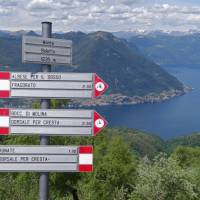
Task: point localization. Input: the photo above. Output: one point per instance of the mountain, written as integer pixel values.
(141, 32)
(126, 69)
(172, 49)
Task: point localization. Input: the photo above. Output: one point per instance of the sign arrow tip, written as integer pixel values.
(99, 123)
(100, 86)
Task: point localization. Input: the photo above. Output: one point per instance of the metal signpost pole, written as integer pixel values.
(45, 121)
(45, 104)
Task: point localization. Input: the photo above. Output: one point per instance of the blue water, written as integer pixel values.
(169, 119)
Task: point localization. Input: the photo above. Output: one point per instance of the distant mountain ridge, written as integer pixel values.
(129, 34)
(125, 69)
(172, 49)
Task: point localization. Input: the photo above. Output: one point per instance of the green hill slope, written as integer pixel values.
(192, 140)
(127, 72)
(142, 144)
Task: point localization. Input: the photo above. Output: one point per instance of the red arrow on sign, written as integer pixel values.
(99, 86)
(99, 123)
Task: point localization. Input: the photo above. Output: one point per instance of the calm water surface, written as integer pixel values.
(178, 116)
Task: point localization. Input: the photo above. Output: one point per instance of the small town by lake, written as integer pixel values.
(169, 119)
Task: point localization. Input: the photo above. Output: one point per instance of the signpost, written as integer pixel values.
(50, 122)
(51, 85)
(46, 158)
(46, 51)
(46, 122)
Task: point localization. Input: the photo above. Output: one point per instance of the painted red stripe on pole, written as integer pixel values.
(5, 75)
(85, 149)
(4, 94)
(4, 112)
(4, 131)
(85, 168)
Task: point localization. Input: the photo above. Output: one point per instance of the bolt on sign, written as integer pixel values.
(51, 85)
(46, 158)
(46, 50)
(50, 122)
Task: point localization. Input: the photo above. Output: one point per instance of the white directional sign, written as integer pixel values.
(50, 85)
(50, 122)
(46, 50)
(46, 158)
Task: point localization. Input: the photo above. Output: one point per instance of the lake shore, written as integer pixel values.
(119, 99)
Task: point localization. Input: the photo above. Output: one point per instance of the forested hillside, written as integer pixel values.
(125, 69)
(128, 165)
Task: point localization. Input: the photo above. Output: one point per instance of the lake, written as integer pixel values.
(169, 119)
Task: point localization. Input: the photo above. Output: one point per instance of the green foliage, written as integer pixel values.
(120, 194)
(114, 167)
(164, 179)
(192, 140)
(118, 173)
(36, 104)
(114, 170)
(142, 144)
(14, 186)
(55, 103)
(187, 156)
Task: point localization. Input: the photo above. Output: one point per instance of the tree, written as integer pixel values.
(163, 179)
(114, 168)
(187, 156)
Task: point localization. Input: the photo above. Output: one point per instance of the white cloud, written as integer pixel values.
(90, 15)
(4, 12)
(39, 5)
(9, 3)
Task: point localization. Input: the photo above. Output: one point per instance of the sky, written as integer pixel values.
(106, 15)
